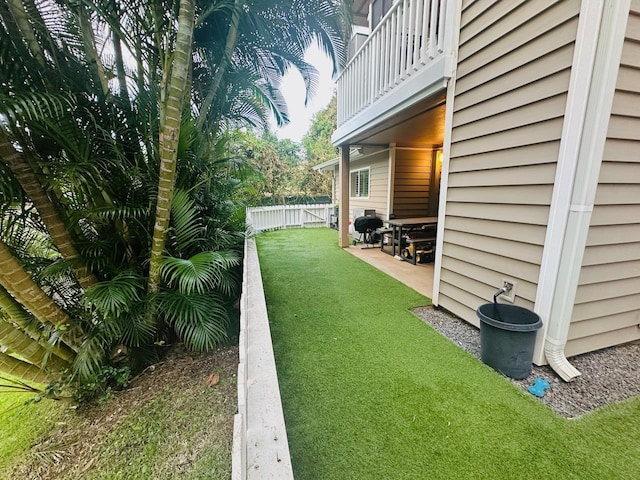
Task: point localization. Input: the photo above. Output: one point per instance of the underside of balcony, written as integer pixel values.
(420, 125)
(394, 87)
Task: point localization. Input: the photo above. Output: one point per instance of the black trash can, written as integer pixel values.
(507, 338)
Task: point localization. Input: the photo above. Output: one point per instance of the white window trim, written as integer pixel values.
(351, 193)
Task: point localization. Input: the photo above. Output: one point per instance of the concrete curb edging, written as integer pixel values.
(260, 445)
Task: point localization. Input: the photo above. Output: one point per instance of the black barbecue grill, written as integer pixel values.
(366, 226)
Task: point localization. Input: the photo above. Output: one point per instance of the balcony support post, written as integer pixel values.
(343, 212)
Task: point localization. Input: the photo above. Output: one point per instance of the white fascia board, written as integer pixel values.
(324, 165)
(353, 155)
(360, 30)
(422, 84)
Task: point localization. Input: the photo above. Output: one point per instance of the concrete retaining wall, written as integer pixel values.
(260, 445)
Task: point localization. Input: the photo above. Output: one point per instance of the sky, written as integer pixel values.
(293, 91)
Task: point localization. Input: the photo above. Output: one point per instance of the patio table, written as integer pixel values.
(402, 226)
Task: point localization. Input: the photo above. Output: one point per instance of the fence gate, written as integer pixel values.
(288, 216)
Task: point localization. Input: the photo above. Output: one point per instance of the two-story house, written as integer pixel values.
(517, 122)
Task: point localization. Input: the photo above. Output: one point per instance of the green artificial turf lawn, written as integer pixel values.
(372, 392)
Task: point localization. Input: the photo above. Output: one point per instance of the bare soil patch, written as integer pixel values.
(75, 447)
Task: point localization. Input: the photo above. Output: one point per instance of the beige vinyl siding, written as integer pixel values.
(378, 164)
(513, 74)
(607, 305)
(412, 183)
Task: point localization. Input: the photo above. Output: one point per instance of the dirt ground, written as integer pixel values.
(70, 449)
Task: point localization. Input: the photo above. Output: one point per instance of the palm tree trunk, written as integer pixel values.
(22, 21)
(93, 58)
(232, 38)
(140, 73)
(117, 49)
(30, 350)
(21, 369)
(21, 286)
(19, 166)
(30, 325)
(169, 136)
(13, 31)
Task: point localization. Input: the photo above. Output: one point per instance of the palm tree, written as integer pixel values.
(21, 168)
(20, 285)
(256, 39)
(171, 113)
(15, 314)
(123, 185)
(21, 369)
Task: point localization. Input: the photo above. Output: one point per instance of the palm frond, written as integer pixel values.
(115, 212)
(35, 106)
(200, 320)
(91, 356)
(186, 228)
(137, 328)
(198, 274)
(116, 296)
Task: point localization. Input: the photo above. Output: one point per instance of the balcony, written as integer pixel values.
(406, 59)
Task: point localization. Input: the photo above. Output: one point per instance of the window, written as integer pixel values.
(379, 9)
(360, 183)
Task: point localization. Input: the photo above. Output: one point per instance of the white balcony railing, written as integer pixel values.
(410, 36)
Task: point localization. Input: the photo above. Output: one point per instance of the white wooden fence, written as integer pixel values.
(288, 216)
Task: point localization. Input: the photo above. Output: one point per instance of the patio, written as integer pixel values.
(418, 277)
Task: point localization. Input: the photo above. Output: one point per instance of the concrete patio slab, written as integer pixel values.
(419, 277)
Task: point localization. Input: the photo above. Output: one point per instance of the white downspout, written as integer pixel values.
(581, 152)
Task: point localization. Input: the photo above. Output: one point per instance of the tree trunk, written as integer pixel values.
(22, 21)
(140, 73)
(93, 58)
(21, 286)
(169, 136)
(22, 370)
(13, 31)
(117, 50)
(22, 344)
(19, 166)
(232, 38)
(31, 327)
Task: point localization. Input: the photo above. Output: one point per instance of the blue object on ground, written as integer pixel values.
(538, 387)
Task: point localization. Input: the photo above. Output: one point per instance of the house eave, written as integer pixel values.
(421, 85)
(327, 164)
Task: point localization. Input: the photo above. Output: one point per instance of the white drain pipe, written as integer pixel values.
(598, 50)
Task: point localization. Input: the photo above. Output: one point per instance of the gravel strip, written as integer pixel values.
(609, 375)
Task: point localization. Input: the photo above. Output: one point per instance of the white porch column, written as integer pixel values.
(392, 178)
(343, 213)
